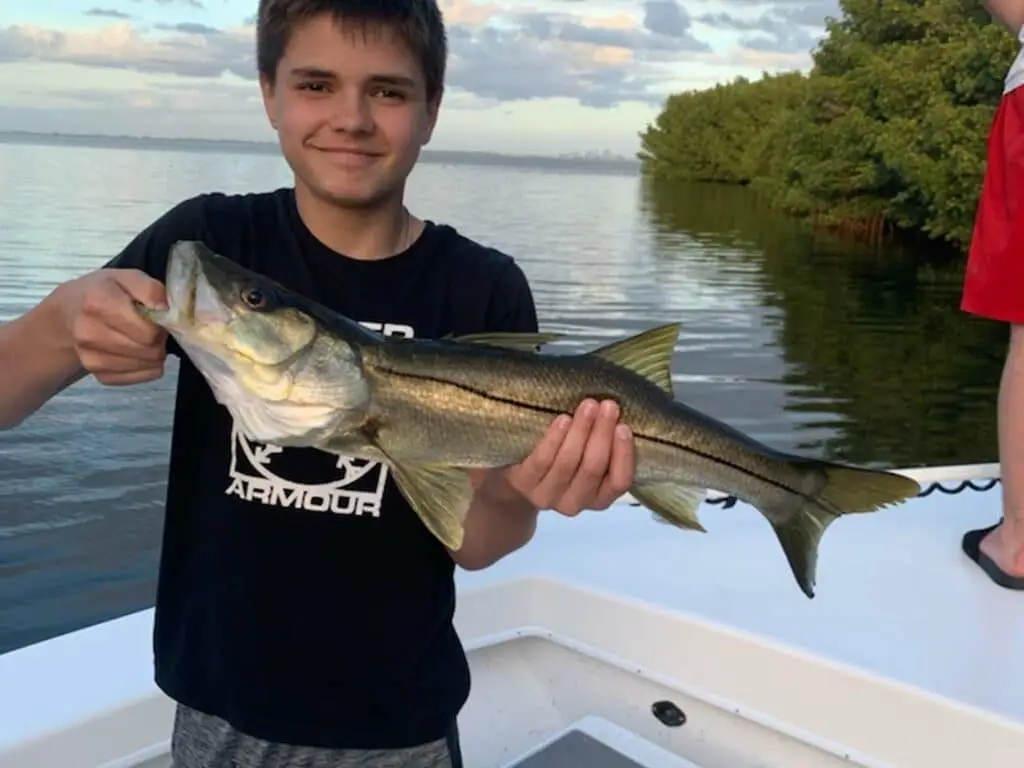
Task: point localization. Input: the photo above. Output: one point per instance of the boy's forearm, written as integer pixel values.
(499, 522)
(37, 359)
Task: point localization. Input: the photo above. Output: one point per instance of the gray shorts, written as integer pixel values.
(204, 741)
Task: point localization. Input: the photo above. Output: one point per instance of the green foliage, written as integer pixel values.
(888, 130)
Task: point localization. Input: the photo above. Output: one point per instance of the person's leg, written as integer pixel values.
(999, 549)
(204, 741)
(994, 288)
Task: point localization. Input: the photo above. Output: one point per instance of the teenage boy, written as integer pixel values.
(304, 614)
(994, 288)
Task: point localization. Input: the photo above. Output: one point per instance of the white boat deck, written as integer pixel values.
(908, 656)
(895, 596)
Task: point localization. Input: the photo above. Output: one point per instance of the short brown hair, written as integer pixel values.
(418, 23)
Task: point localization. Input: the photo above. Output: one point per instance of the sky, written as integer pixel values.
(524, 77)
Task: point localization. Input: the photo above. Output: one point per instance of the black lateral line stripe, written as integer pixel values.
(556, 412)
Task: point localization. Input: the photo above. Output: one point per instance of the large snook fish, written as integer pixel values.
(293, 373)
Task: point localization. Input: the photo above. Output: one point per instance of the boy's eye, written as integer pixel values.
(387, 93)
(384, 92)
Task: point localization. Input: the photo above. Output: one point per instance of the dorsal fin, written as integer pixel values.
(648, 354)
(529, 342)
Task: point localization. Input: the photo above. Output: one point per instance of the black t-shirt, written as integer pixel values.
(300, 598)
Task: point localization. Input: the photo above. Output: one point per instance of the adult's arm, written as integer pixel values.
(1009, 12)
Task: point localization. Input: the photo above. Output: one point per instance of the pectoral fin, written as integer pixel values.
(528, 342)
(673, 504)
(440, 495)
(354, 445)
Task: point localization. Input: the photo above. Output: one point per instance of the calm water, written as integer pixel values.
(826, 348)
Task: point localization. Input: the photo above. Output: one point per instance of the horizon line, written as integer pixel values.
(586, 158)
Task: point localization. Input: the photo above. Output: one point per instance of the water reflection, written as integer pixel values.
(880, 366)
(804, 342)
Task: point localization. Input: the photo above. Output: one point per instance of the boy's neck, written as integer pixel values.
(367, 234)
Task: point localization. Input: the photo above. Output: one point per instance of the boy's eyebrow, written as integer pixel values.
(323, 74)
(401, 80)
(326, 74)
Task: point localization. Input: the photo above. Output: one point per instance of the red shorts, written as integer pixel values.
(994, 282)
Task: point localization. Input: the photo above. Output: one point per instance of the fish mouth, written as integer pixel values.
(182, 277)
(190, 294)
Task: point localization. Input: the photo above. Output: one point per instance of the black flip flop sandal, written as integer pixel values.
(971, 545)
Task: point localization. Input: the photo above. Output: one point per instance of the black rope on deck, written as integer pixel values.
(726, 502)
(729, 501)
(963, 486)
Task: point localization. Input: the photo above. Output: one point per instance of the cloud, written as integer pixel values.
(186, 49)
(469, 13)
(530, 55)
(614, 32)
(107, 13)
(521, 52)
(214, 98)
(792, 26)
(599, 61)
(188, 28)
(665, 17)
(184, 3)
(596, 54)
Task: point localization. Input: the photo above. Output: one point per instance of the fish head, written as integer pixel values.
(219, 309)
(263, 350)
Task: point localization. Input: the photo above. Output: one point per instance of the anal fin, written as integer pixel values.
(440, 495)
(672, 503)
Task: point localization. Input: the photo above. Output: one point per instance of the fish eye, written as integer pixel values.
(254, 298)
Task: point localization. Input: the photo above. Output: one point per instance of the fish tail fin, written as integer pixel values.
(672, 503)
(845, 491)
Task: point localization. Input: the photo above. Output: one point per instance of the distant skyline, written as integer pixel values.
(547, 77)
(604, 162)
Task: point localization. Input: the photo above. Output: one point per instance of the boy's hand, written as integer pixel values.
(583, 462)
(114, 342)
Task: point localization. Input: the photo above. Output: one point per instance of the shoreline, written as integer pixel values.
(583, 163)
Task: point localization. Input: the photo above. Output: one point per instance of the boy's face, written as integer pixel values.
(350, 110)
